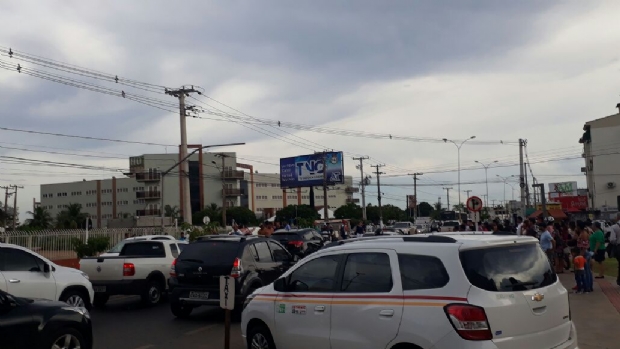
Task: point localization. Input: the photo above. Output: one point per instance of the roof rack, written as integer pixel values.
(406, 238)
(226, 236)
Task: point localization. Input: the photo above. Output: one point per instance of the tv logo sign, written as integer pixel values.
(309, 170)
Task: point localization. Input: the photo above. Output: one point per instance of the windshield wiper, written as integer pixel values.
(519, 284)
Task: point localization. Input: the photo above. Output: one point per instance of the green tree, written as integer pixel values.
(212, 211)
(390, 212)
(171, 211)
(71, 218)
(241, 215)
(348, 211)
(425, 209)
(459, 208)
(41, 219)
(290, 212)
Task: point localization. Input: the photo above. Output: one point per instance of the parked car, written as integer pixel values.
(141, 268)
(24, 273)
(406, 227)
(252, 261)
(299, 242)
(426, 291)
(114, 251)
(42, 324)
(449, 226)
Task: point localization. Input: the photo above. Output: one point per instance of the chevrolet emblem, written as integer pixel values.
(538, 297)
(200, 269)
(99, 269)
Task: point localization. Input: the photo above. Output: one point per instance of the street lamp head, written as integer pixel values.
(445, 140)
(495, 161)
(472, 137)
(477, 161)
(213, 162)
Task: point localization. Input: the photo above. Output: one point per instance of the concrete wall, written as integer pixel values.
(603, 159)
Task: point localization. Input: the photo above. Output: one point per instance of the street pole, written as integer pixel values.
(448, 198)
(522, 175)
(186, 204)
(15, 187)
(378, 173)
(223, 191)
(6, 205)
(543, 199)
(458, 147)
(486, 175)
(416, 210)
(363, 181)
(164, 173)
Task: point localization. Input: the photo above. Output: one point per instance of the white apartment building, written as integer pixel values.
(266, 197)
(601, 143)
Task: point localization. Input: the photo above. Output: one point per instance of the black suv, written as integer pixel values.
(299, 242)
(195, 275)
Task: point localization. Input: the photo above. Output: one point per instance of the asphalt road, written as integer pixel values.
(126, 324)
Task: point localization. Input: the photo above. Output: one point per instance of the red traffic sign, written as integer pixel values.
(474, 204)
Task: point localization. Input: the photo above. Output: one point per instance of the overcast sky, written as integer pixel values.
(434, 69)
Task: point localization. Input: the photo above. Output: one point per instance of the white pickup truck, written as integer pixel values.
(141, 268)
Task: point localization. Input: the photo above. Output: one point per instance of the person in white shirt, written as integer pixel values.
(519, 226)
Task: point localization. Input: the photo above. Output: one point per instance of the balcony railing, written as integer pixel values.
(148, 176)
(353, 201)
(232, 192)
(154, 212)
(350, 190)
(148, 195)
(232, 174)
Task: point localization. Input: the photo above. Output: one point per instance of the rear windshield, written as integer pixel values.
(401, 225)
(509, 268)
(146, 248)
(210, 252)
(118, 247)
(287, 236)
(450, 224)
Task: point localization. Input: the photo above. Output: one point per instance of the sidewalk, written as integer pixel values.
(596, 315)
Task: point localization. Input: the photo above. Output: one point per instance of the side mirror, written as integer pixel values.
(47, 268)
(280, 285)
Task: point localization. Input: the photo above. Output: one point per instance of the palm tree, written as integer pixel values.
(41, 218)
(171, 211)
(71, 217)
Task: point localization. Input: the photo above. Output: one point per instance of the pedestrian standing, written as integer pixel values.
(580, 264)
(359, 230)
(547, 243)
(597, 245)
(614, 240)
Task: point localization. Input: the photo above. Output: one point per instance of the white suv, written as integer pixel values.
(26, 274)
(415, 292)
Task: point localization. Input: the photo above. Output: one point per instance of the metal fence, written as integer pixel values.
(57, 244)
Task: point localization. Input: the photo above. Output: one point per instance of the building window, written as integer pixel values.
(259, 210)
(122, 190)
(61, 194)
(276, 197)
(261, 185)
(332, 196)
(261, 197)
(275, 185)
(292, 197)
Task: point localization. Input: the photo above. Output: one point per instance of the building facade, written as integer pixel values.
(601, 144)
(214, 178)
(265, 196)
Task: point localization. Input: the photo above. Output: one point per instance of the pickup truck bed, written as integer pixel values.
(142, 268)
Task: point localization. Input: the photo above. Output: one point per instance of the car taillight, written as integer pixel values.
(236, 269)
(469, 321)
(297, 244)
(173, 269)
(129, 269)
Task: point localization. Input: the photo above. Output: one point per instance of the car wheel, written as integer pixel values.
(100, 300)
(75, 299)
(68, 338)
(180, 311)
(259, 337)
(152, 293)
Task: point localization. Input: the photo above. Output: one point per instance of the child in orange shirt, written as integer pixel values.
(580, 274)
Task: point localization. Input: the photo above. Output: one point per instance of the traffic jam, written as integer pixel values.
(429, 290)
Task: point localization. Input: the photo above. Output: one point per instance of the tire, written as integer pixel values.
(58, 339)
(75, 298)
(180, 311)
(100, 300)
(260, 337)
(153, 293)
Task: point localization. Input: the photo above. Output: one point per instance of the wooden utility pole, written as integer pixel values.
(186, 205)
(416, 210)
(15, 187)
(6, 206)
(363, 182)
(378, 174)
(448, 197)
(325, 208)
(223, 156)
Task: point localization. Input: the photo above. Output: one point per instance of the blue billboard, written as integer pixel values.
(307, 170)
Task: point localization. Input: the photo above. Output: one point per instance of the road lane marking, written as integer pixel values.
(145, 346)
(198, 330)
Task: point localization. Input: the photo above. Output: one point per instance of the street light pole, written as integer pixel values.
(164, 173)
(486, 175)
(458, 147)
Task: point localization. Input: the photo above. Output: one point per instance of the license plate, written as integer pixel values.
(198, 295)
(99, 289)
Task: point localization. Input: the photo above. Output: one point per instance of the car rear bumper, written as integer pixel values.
(181, 295)
(453, 340)
(120, 287)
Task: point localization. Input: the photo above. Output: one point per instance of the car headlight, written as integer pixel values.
(85, 275)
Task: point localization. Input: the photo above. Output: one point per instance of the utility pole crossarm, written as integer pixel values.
(363, 184)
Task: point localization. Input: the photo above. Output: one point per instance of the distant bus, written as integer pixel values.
(453, 216)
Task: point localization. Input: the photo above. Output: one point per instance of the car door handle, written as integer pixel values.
(387, 313)
(319, 308)
(14, 281)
